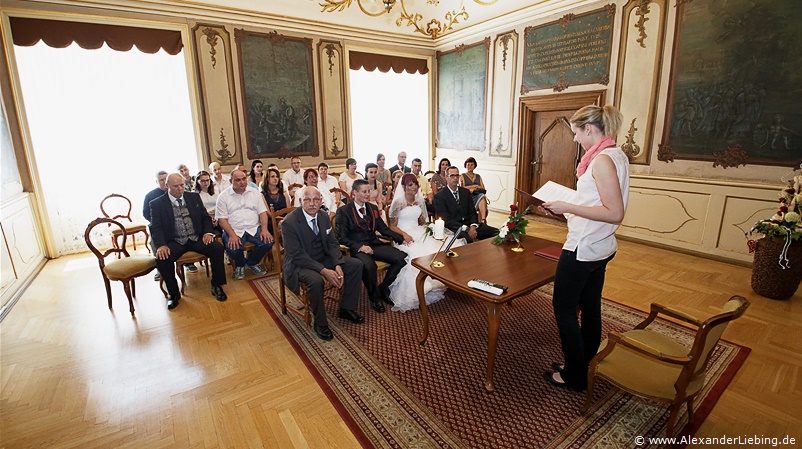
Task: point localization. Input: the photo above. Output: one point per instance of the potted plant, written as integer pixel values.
(777, 267)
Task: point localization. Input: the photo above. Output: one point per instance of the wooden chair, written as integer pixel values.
(428, 174)
(130, 227)
(344, 196)
(653, 365)
(124, 269)
(291, 190)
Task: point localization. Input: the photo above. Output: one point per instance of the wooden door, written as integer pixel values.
(546, 148)
(555, 154)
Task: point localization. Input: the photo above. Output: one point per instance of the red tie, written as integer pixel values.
(362, 211)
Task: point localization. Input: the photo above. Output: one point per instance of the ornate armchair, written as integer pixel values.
(653, 365)
(123, 210)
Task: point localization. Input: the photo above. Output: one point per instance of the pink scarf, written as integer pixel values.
(603, 144)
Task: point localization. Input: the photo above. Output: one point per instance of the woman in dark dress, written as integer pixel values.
(275, 195)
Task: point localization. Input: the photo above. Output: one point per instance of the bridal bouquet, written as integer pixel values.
(513, 227)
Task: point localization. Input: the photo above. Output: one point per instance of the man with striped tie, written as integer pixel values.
(454, 205)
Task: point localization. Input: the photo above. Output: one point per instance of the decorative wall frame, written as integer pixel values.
(215, 68)
(505, 63)
(570, 51)
(733, 93)
(461, 96)
(640, 52)
(332, 98)
(278, 94)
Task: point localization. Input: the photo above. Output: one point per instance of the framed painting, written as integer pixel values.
(734, 91)
(461, 96)
(571, 51)
(218, 98)
(278, 94)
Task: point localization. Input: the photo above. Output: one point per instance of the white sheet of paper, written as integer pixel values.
(551, 191)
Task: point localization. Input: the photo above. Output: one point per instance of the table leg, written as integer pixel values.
(493, 325)
(419, 283)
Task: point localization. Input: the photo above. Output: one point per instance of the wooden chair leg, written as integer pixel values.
(108, 289)
(161, 287)
(133, 239)
(589, 396)
(283, 295)
(689, 402)
(133, 287)
(147, 238)
(127, 287)
(179, 270)
(672, 417)
(206, 264)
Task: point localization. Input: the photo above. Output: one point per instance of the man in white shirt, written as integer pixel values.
(242, 213)
(328, 204)
(220, 182)
(294, 175)
(327, 182)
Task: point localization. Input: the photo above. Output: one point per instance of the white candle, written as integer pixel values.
(439, 228)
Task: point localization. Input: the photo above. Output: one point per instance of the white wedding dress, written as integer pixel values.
(403, 291)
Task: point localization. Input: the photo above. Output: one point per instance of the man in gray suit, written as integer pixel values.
(312, 253)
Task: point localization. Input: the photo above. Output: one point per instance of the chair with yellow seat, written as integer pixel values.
(276, 217)
(124, 269)
(656, 366)
(122, 209)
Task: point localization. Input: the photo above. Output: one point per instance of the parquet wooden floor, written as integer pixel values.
(209, 374)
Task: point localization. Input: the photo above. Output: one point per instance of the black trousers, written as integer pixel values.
(352, 270)
(385, 253)
(578, 284)
(214, 251)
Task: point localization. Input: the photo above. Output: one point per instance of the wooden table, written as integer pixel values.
(521, 272)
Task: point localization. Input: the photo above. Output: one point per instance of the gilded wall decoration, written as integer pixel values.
(640, 61)
(461, 96)
(734, 89)
(571, 51)
(505, 55)
(278, 94)
(215, 68)
(332, 92)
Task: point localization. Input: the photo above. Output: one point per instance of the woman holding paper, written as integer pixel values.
(594, 215)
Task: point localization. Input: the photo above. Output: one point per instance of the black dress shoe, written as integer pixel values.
(351, 316)
(376, 305)
(217, 291)
(386, 298)
(172, 301)
(549, 376)
(557, 367)
(323, 332)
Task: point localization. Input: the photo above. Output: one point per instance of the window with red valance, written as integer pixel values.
(372, 61)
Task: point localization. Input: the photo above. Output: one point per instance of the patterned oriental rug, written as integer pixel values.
(394, 393)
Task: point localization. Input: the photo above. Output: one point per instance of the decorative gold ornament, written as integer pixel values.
(641, 10)
(331, 53)
(504, 41)
(433, 29)
(223, 154)
(630, 147)
(211, 39)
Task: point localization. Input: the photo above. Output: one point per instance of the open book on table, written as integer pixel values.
(550, 191)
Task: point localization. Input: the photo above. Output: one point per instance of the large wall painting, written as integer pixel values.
(218, 99)
(735, 84)
(278, 94)
(570, 51)
(461, 94)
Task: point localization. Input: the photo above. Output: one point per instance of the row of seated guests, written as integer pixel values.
(180, 223)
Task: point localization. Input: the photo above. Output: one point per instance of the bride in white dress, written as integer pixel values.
(408, 217)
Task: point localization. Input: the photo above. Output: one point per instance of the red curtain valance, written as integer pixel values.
(373, 61)
(59, 34)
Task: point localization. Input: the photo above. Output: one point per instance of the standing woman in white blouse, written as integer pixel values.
(602, 191)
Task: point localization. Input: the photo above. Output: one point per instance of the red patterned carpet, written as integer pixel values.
(395, 393)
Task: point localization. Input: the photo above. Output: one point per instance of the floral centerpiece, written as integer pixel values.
(513, 227)
(777, 267)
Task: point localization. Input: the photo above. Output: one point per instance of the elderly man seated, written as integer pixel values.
(242, 214)
(311, 253)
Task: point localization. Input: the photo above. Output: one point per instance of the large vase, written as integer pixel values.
(769, 279)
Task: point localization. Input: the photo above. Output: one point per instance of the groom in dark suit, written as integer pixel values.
(311, 253)
(357, 224)
(455, 205)
(179, 223)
